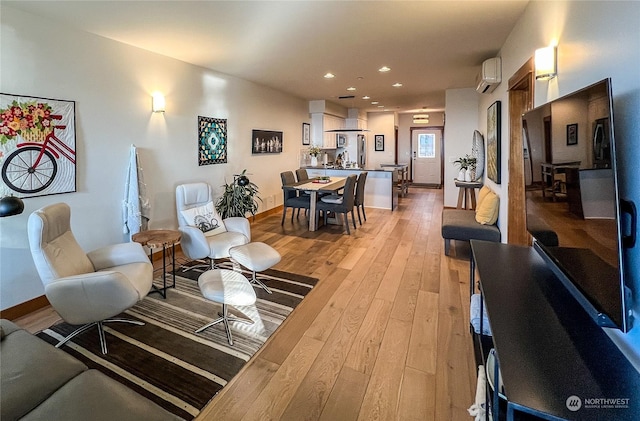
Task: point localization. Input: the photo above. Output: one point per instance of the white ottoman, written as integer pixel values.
(256, 257)
(227, 288)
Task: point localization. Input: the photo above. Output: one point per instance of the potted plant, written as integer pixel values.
(314, 151)
(467, 166)
(238, 198)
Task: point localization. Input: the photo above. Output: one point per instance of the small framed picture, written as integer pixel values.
(379, 142)
(572, 134)
(266, 142)
(306, 134)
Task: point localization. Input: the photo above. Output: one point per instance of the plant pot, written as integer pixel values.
(467, 175)
(461, 175)
(314, 161)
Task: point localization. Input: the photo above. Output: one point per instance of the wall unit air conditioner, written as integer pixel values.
(490, 75)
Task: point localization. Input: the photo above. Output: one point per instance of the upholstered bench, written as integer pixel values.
(465, 225)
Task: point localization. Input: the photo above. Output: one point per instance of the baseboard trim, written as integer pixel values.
(267, 213)
(25, 308)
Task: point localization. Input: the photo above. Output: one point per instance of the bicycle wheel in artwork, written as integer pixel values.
(37, 146)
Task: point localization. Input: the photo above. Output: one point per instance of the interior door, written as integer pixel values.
(427, 162)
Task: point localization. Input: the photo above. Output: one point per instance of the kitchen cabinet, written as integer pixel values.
(320, 123)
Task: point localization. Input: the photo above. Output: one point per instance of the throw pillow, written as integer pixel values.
(206, 218)
(482, 194)
(487, 210)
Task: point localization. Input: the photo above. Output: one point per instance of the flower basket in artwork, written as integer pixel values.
(31, 120)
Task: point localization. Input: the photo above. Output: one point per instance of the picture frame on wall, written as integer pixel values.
(266, 142)
(379, 142)
(306, 134)
(572, 134)
(212, 140)
(493, 142)
(37, 146)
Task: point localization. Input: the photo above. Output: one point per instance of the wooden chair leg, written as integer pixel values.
(284, 214)
(364, 214)
(359, 218)
(447, 246)
(346, 223)
(353, 218)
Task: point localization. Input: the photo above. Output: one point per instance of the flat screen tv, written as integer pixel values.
(574, 212)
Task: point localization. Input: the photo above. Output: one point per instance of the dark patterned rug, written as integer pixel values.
(165, 360)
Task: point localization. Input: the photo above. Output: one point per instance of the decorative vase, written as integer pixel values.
(314, 161)
(467, 175)
(462, 175)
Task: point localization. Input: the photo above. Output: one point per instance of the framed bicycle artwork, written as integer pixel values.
(37, 146)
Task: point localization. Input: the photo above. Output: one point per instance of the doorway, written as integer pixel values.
(426, 147)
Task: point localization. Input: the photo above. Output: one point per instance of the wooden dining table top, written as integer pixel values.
(314, 184)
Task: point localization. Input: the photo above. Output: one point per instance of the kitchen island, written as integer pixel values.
(379, 191)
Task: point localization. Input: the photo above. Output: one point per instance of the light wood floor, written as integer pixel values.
(383, 336)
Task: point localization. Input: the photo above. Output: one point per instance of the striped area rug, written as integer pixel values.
(165, 360)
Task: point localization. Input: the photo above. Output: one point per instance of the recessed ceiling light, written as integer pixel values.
(351, 88)
(397, 85)
(384, 69)
(380, 106)
(366, 97)
(374, 102)
(329, 76)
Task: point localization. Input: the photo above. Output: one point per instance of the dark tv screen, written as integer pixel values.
(573, 210)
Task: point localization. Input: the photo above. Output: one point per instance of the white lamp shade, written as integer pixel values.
(545, 61)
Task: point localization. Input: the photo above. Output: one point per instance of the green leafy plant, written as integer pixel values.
(465, 162)
(239, 197)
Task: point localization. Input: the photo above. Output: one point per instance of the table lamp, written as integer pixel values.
(11, 205)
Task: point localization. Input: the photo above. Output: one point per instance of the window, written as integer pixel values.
(426, 145)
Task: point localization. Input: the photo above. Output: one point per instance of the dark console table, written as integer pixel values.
(556, 363)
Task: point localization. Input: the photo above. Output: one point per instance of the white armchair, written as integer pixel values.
(204, 234)
(86, 289)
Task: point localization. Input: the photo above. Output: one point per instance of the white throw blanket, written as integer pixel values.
(478, 409)
(135, 205)
(474, 315)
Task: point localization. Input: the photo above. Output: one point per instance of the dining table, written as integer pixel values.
(314, 186)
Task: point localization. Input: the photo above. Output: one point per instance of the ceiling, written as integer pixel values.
(430, 46)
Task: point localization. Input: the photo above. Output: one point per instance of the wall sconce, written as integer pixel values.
(157, 102)
(545, 62)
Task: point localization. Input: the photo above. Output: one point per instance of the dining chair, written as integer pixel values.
(291, 197)
(359, 198)
(302, 174)
(341, 204)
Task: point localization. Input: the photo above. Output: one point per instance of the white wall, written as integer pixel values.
(384, 124)
(111, 84)
(596, 39)
(461, 112)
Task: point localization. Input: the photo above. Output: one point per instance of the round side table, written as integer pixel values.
(467, 193)
(161, 239)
